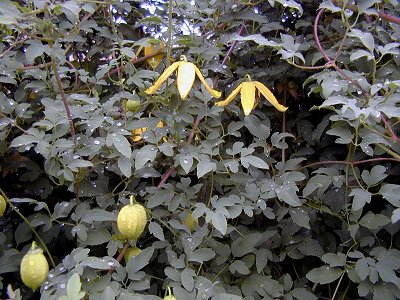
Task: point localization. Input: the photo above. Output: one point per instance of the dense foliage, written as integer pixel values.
(302, 204)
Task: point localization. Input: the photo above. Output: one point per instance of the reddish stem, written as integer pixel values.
(332, 63)
(119, 257)
(345, 162)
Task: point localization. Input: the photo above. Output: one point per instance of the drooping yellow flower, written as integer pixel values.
(137, 133)
(186, 74)
(247, 91)
(153, 48)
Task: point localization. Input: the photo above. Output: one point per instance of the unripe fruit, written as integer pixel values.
(3, 205)
(132, 105)
(132, 220)
(189, 221)
(131, 252)
(169, 296)
(34, 267)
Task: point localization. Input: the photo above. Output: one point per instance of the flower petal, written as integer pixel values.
(230, 97)
(137, 134)
(167, 72)
(269, 96)
(214, 93)
(185, 78)
(248, 96)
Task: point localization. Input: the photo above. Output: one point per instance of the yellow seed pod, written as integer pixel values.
(131, 105)
(34, 267)
(169, 296)
(136, 134)
(132, 220)
(189, 221)
(131, 252)
(154, 61)
(3, 205)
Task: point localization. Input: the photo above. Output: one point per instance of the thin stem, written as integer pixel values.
(345, 162)
(169, 42)
(284, 123)
(119, 257)
(42, 243)
(337, 286)
(228, 54)
(64, 99)
(166, 176)
(329, 60)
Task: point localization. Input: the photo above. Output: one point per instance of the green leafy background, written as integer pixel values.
(302, 205)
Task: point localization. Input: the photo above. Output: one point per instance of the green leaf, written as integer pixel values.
(324, 274)
(186, 162)
(240, 267)
(97, 263)
(201, 255)
(334, 259)
(374, 221)
(376, 175)
(125, 165)
(128, 52)
(120, 142)
(204, 166)
(361, 53)
(146, 154)
(98, 215)
(395, 215)
(219, 222)
(361, 197)
(300, 217)
(136, 263)
(288, 193)
(391, 192)
(254, 161)
(257, 38)
(97, 237)
(257, 128)
(36, 49)
(278, 139)
(156, 230)
(10, 261)
(366, 38)
(187, 280)
(302, 294)
(74, 288)
(362, 267)
(387, 274)
(160, 197)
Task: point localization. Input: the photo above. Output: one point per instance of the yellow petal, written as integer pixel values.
(136, 136)
(248, 96)
(214, 93)
(185, 78)
(269, 96)
(230, 97)
(168, 71)
(156, 60)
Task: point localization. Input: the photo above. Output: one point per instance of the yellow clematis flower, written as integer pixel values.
(137, 133)
(185, 78)
(156, 60)
(247, 91)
